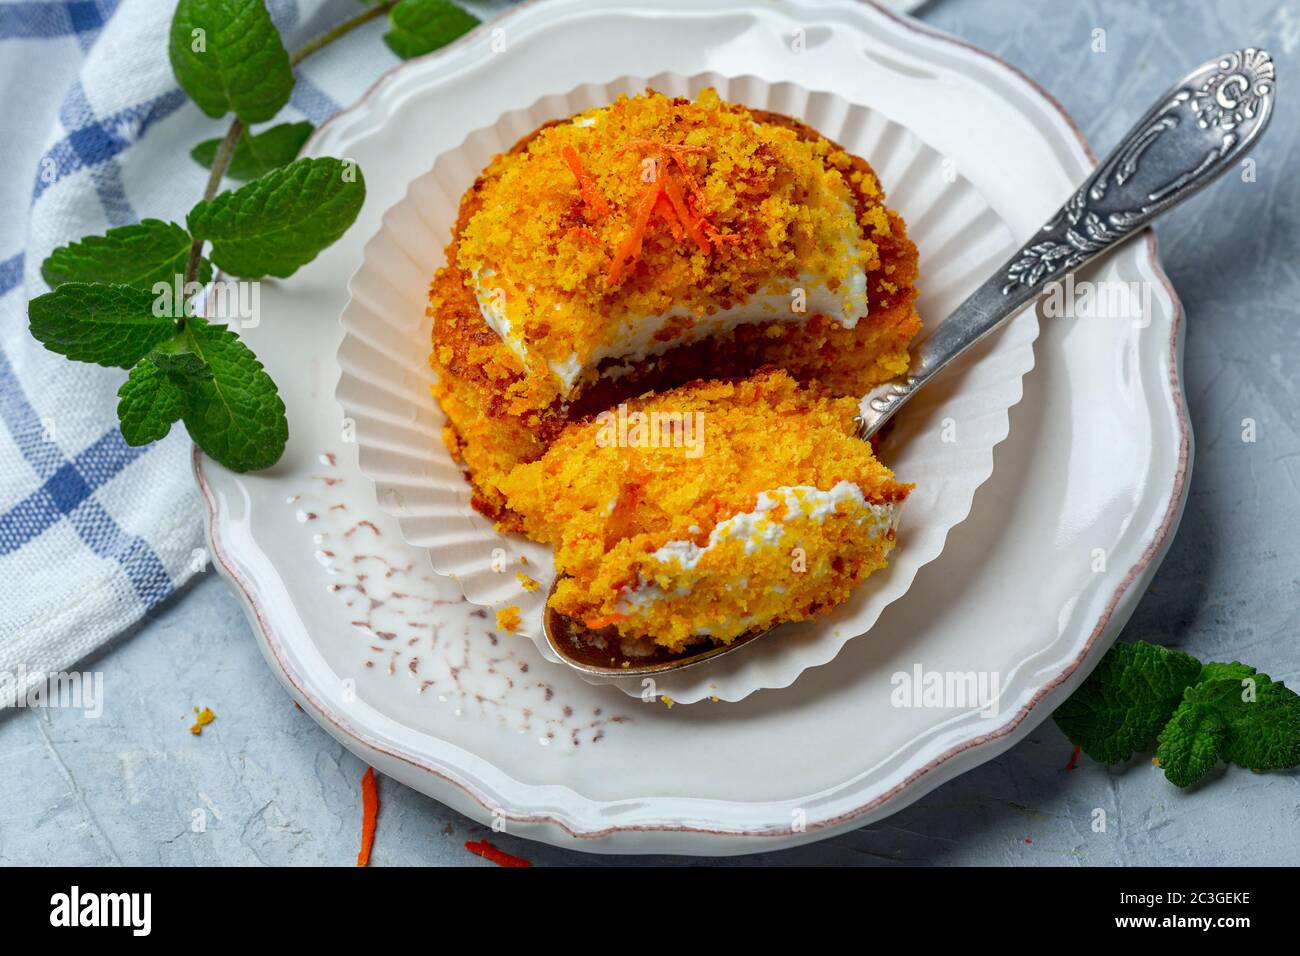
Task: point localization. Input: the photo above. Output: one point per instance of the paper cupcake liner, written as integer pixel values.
(943, 441)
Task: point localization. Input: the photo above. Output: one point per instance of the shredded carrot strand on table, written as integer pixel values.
(585, 184)
(500, 857)
(369, 814)
(1074, 760)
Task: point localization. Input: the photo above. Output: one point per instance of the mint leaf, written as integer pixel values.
(421, 26)
(257, 154)
(280, 222)
(228, 56)
(94, 322)
(180, 364)
(235, 415)
(1125, 702)
(147, 404)
(1265, 734)
(137, 255)
(1209, 712)
(1262, 717)
(1215, 671)
(1191, 743)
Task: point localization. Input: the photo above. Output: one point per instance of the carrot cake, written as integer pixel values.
(649, 243)
(710, 510)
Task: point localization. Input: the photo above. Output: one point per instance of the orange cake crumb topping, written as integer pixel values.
(656, 205)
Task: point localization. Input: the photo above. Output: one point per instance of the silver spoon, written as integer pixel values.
(1195, 133)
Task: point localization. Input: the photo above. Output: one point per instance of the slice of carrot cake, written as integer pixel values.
(710, 510)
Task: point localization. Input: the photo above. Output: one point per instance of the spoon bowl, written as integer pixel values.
(604, 652)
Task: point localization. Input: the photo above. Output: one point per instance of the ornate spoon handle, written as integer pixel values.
(1195, 133)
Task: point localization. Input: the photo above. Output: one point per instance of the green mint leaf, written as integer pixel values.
(1125, 702)
(94, 322)
(1265, 734)
(138, 255)
(1191, 743)
(422, 26)
(257, 154)
(228, 56)
(1216, 671)
(1262, 716)
(180, 364)
(280, 222)
(147, 404)
(235, 415)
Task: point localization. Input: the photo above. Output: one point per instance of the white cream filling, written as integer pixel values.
(634, 340)
(762, 528)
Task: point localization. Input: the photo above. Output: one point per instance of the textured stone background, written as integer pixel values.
(280, 791)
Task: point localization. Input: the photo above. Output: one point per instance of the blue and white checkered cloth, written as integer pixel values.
(95, 133)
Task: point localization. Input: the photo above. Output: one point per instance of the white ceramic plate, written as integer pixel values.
(389, 659)
(944, 442)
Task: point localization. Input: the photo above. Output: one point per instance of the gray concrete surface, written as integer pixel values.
(275, 789)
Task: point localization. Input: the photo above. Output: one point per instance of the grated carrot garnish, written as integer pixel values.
(664, 207)
(696, 192)
(630, 248)
(684, 216)
(500, 857)
(714, 236)
(584, 233)
(369, 814)
(588, 188)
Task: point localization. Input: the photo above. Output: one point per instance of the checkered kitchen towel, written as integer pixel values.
(95, 133)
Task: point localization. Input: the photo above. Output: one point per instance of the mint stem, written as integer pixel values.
(347, 26)
(219, 163)
(226, 150)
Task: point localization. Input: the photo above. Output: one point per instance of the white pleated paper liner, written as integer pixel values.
(385, 376)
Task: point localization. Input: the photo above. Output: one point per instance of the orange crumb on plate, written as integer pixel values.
(508, 618)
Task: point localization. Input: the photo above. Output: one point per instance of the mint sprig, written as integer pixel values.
(1143, 696)
(126, 298)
